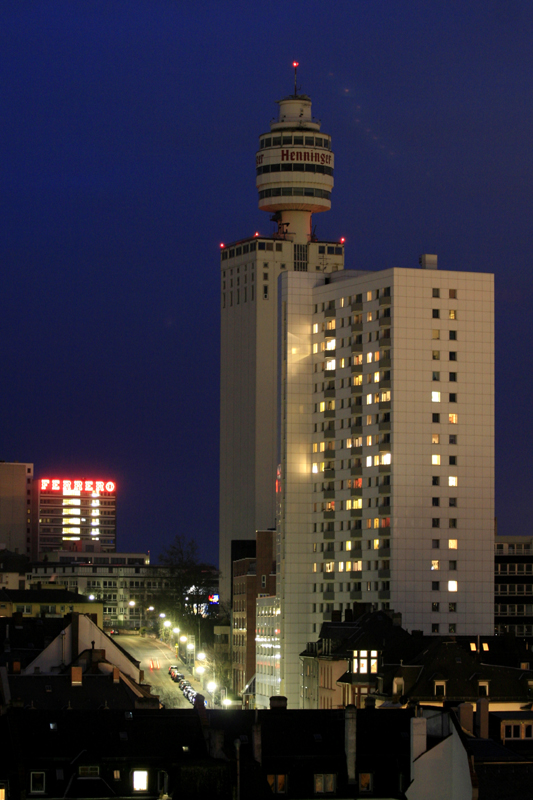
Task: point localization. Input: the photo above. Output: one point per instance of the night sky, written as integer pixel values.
(128, 136)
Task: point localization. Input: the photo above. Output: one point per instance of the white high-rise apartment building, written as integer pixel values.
(382, 421)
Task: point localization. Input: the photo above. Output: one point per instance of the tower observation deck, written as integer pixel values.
(294, 166)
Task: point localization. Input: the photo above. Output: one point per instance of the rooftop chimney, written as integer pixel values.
(278, 703)
(427, 261)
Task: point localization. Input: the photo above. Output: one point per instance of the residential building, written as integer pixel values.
(252, 578)
(379, 412)
(76, 514)
(16, 507)
(513, 598)
(126, 584)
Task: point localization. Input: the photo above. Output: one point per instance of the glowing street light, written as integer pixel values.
(201, 656)
(183, 639)
(162, 616)
(91, 597)
(131, 603)
(226, 702)
(211, 686)
(175, 630)
(167, 623)
(200, 670)
(150, 608)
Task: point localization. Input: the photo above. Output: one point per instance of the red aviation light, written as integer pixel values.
(222, 244)
(295, 64)
(342, 239)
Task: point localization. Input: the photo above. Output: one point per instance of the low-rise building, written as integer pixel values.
(38, 602)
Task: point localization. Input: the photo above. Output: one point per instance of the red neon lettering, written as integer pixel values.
(293, 155)
(306, 156)
(99, 486)
(299, 156)
(284, 155)
(78, 486)
(110, 486)
(55, 485)
(45, 482)
(67, 486)
(89, 486)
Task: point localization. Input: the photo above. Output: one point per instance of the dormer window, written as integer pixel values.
(398, 686)
(365, 661)
(440, 688)
(483, 688)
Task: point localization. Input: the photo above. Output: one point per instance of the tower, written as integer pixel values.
(294, 178)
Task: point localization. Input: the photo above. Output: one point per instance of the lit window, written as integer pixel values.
(435, 438)
(376, 377)
(348, 545)
(366, 783)
(435, 397)
(452, 544)
(369, 296)
(277, 783)
(386, 458)
(325, 784)
(330, 363)
(452, 586)
(315, 468)
(452, 480)
(435, 334)
(369, 358)
(436, 355)
(369, 461)
(331, 344)
(315, 328)
(369, 316)
(369, 399)
(473, 647)
(452, 419)
(435, 459)
(315, 348)
(452, 313)
(435, 565)
(486, 647)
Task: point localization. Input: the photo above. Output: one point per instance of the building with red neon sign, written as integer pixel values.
(76, 514)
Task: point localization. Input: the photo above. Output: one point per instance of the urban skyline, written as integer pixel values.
(118, 194)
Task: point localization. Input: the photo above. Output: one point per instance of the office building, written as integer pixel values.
(513, 586)
(76, 514)
(16, 517)
(381, 423)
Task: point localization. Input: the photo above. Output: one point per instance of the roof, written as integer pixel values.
(53, 596)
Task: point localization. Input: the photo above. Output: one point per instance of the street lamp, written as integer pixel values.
(200, 656)
(167, 623)
(162, 616)
(211, 686)
(175, 630)
(131, 603)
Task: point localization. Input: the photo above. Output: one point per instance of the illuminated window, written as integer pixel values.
(366, 783)
(315, 348)
(436, 355)
(435, 564)
(277, 783)
(369, 296)
(331, 344)
(369, 461)
(452, 480)
(329, 566)
(376, 544)
(435, 397)
(315, 328)
(315, 447)
(368, 441)
(452, 419)
(435, 459)
(435, 438)
(452, 313)
(325, 783)
(369, 399)
(435, 334)
(369, 358)
(376, 377)
(369, 316)
(330, 363)
(452, 586)
(386, 458)
(452, 544)
(315, 468)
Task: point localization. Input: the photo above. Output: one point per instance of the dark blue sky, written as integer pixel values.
(128, 140)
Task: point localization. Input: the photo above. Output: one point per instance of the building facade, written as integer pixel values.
(76, 514)
(513, 607)
(16, 512)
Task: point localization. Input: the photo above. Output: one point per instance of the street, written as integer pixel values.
(155, 659)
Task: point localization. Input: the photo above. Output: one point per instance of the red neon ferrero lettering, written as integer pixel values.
(99, 487)
(67, 486)
(78, 486)
(56, 485)
(284, 155)
(110, 486)
(89, 486)
(45, 483)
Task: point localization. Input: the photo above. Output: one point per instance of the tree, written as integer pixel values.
(190, 582)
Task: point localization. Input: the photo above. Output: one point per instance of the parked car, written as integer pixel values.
(172, 667)
(177, 676)
(114, 632)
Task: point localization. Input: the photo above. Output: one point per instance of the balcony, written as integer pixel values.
(329, 433)
(384, 594)
(384, 426)
(357, 574)
(384, 573)
(329, 595)
(330, 333)
(357, 327)
(385, 341)
(384, 447)
(357, 471)
(356, 451)
(329, 494)
(329, 576)
(329, 413)
(356, 533)
(357, 347)
(356, 512)
(357, 491)
(384, 552)
(329, 392)
(385, 405)
(385, 300)
(357, 306)
(329, 515)
(385, 468)
(329, 535)
(329, 473)
(385, 384)
(385, 488)
(356, 595)
(329, 373)
(384, 321)
(357, 429)
(329, 313)
(357, 388)
(384, 511)
(385, 363)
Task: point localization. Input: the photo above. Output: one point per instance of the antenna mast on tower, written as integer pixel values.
(295, 65)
